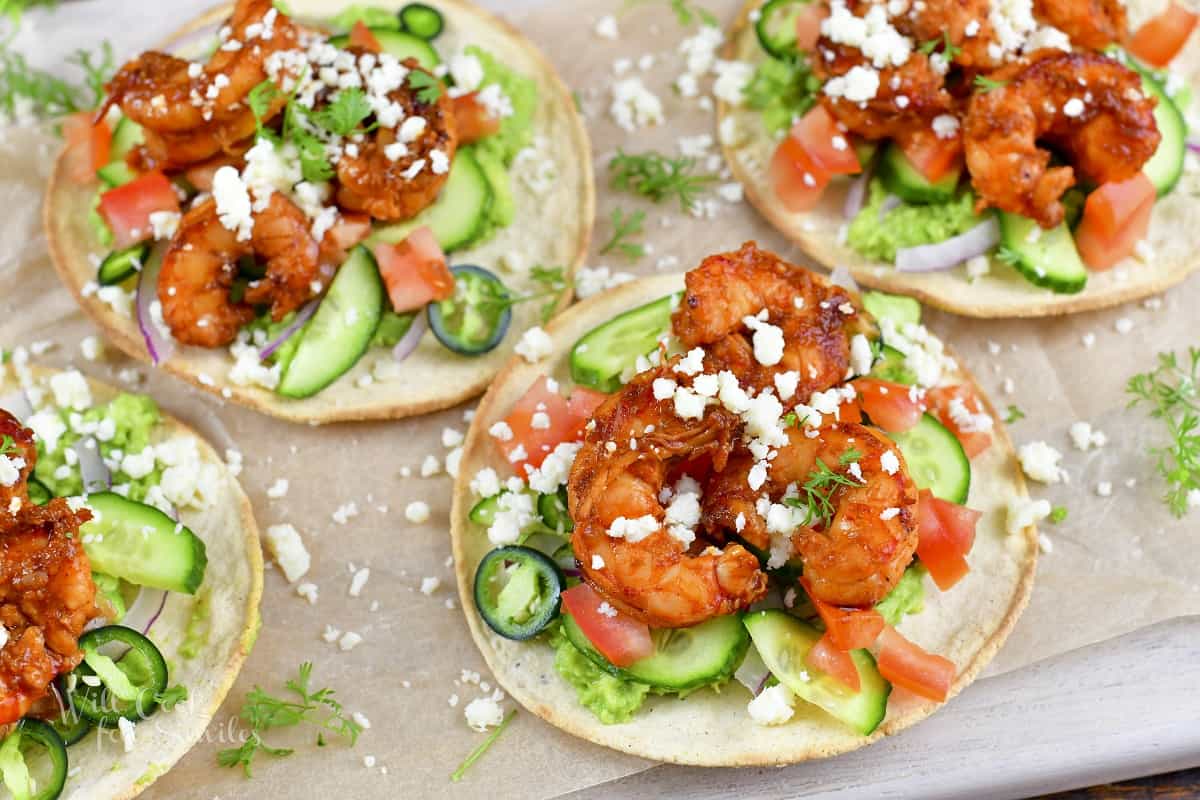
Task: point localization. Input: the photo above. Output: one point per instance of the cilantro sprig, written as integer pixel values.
(626, 225)
(427, 87)
(816, 495)
(27, 90)
(7, 446)
(659, 177)
(686, 12)
(1170, 390)
(1013, 414)
(986, 84)
(949, 50)
(263, 712)
(551, 282)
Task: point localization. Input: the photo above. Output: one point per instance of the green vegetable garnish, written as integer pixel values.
(817, 492)
(428, 88)
(1058, 514)
(1013, 414)
(625, 226)
(478, 752)
(658, 177)
(26, 90)
(1170, 390)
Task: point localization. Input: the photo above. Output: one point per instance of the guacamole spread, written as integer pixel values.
(878, 237)
(907, 598)
(613, 700)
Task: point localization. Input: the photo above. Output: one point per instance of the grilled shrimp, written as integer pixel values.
(870, 537)
(817, 319)
(22, 454)
(662, 579)
(1094, 24)
(1087, 106)
(962, 24)
(202, 261)
(46, 591)
(399, 170)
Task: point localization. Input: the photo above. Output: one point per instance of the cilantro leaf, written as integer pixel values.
(625, 226)
(987, 84)
(658, 177)
(343, 116)
(1014, 413)
(1058, 514)
(427, 87)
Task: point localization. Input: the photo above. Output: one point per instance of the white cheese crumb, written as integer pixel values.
(287, 548)
(773, 706)
(1040, 462)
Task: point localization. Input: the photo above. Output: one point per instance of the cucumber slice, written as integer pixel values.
(1044, 258)
(399, 44)
(899, 309)
(142, 545)
(341, 331)
(1166, 165)
(120, 265)
(116, 174)
(936, 459)
(684, 658)
(460, 213)
(422, 20)
(776, 26)
(892, 366)
(126, 135)
(784, 643)
(603, 353)
(902, 179)
(484, 513)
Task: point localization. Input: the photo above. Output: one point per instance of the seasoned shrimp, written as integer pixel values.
(1094, 24)
(202, 261)
(22, 454)
(1087, 106)
(870, 536)
(399, 171)
(818, 319)
(657, 575)
(962, 24)
(46, 591)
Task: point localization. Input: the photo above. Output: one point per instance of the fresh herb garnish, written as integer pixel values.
(850, 456)
(7, 446)
(658, 177)
(262, 712)
(427, 87)
(817, 493)
(15, 8)
(625, 226)
(260, 99)
(1170, 390)
(1006, 255)
(347, 111)
(26, 91)
(987, 84)
(1058, 514)
(783, 90)
(551, 282)
(1013, 414)
(686, 12)
(478, 752)
(948, 50)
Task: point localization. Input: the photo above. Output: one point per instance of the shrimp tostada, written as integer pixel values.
(130, 577)
(328, 217)
(745, 475)
(995, 159)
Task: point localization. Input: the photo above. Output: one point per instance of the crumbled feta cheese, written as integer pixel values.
(349, 641)
(279, 489)
(590, 282)
(71, 390)
(486, 483)
(1023, 512)
(359, 581)
(233, 202)
(634, 106)
(483, 713)
(772, 706)
(1040, 462)
(1085, 437)
(633, 530)
(430, 585)
(417, 512)
(535, 345)
(889, 462)
(767, 340)
(861, 356)
(606, 27)
(288, 550)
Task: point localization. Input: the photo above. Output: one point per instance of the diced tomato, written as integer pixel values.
(88, 146)
(835, 662)
(415, 271)
(619, 637)
(847, 628)
(942, 399)
(1115, 218)
(1161, 38)
(889, 405)
(808, 25)
(349, 230)
(472, 119)
(826, 142)
(127, 208)
(946, 534)
(531, 444)
(932, 155)
(908, 666)
(584, 402)
(361, 36)
(796, 179)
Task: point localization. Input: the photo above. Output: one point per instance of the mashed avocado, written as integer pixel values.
(907, 225)
(612, 699)
(195, 638)
(783, 91)
(121, 426)
(108, 590)
(368, 15)
(516, 131)
(392, 327)
(907, 598)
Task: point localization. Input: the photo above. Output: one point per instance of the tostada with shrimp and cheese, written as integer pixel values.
(130, 577)
(743, 503)
(329, 213)
(995, 158)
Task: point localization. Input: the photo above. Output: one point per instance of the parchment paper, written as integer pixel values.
(1118, 563)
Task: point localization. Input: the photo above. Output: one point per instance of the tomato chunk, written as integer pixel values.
(414, 271)
(958, 409)
(932, 155)
(847, 628)
(619, 637)
(826, 143)
(945, 536)
(88, 146)
(584, 402)
(1161, 38)
(906, 665)
(796, 179)
(1115, 218)
(889, 405)
(361, 36)
(835, 662)
(540, 421)
(808, 25)
(472, 119)
(127, 208)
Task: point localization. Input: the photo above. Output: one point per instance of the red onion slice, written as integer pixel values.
(856, 195)
(145, 609)
(753, 673)
(1194, 147)
(18, 405)
(842, 277)
(889, 202)
(411, 338)
(92, 469)
(159, 344)
(304, 316)
(952, 252)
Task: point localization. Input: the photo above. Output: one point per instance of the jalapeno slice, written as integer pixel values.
(518, 591)
(552, 508)
(474, 320)
(127, 686)
(68, 723)
(29, 736)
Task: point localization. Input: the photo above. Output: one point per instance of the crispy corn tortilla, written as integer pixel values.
(1174, 229)
(231, 592)
(967, 624)
(433, 378)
